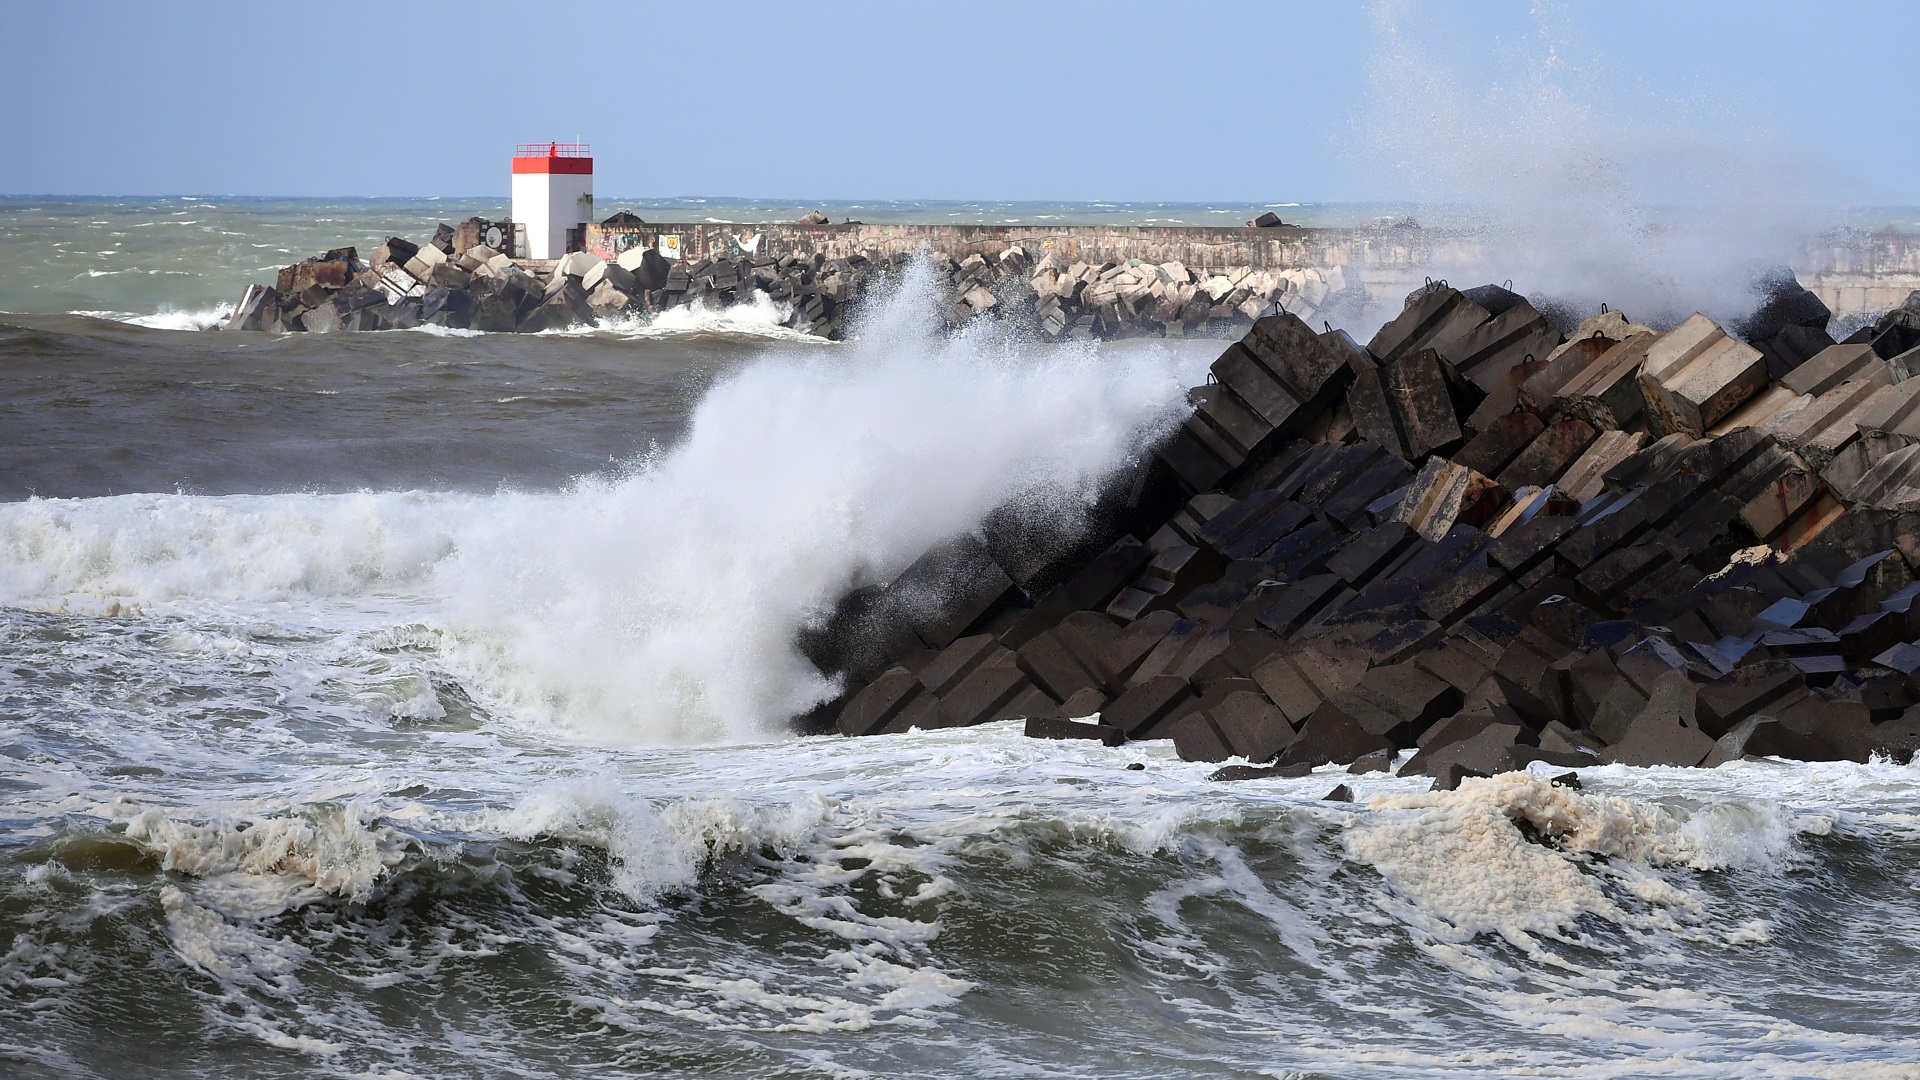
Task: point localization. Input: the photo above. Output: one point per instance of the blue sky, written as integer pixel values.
(983, 100)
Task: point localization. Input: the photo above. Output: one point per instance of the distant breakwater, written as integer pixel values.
(1062, 281)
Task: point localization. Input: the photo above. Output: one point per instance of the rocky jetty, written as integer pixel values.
(456, 282)
(1474, 538)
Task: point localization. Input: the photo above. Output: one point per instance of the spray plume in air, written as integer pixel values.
(1656, 218)
(663, 606)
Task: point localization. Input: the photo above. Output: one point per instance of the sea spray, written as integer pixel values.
(1582, 206)
(662, 604)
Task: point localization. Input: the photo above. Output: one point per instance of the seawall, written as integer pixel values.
(1854, 273)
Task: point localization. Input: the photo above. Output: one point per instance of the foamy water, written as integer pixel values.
(439, 782)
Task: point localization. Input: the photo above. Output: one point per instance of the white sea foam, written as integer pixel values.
(241, 547)
(758, 315)
(170, 319)
(264, 860)
(1462, 858)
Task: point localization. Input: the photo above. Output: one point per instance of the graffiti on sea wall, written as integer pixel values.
(609, 240)
(731, 241)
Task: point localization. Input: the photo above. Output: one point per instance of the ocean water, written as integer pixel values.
(410, 705)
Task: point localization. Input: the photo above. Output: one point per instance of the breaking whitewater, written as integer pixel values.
(345, 759)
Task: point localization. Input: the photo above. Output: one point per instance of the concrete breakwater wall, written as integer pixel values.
(1855, 273)
(638, 269)
(1097, 281)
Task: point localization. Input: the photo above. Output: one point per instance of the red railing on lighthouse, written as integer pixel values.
(553, 158)
(553, 150)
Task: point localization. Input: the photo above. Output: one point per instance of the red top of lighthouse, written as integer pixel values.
(553, 157)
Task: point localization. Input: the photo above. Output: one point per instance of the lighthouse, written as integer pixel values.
(553, 196)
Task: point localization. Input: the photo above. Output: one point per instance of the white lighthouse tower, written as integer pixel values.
(553, 196)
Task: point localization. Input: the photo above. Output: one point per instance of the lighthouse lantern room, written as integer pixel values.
(553, 196)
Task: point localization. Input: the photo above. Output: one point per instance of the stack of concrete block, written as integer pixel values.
(1342, 555)
(454, 275)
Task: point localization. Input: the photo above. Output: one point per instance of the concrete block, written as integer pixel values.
(1560, 367)
(1486, 352)
(1504, 396)
(1367, 554)
(1300, 362)
(1824, 425)
(448, 275)
(1292, 682)
(1330, 735)
(878, 703)
(1415, 699)
(1549, 455)
(612, 273)
(1149, 705)
(1892, 483)
(1063, 728)
(399, 285)
(1252, 725)
(1664, 732)
(996, 690)
(394, 250)
(1495, 447)
(1286, 609)
(1607, 392)
(1695, 375)
(1905, 365)
(1444, 494)
(1199, 462)
(1056, 668)
(1586, 477)
(1430, 315)
(1405, 405)
(563, 308)
(1892, 410)
(1091, 589)
(1227, 424)
(1786, 501)
(1120, 656)
(1837, 364)
(605, 300)
(1485, 752)
(945, 671)
(259, 309)
(1349, 506)
(575, 264)
(1258, 532)
(1197, 738)
(1792, 347)
(1770, 408)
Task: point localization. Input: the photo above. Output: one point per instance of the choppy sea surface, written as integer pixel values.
(409, 705)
